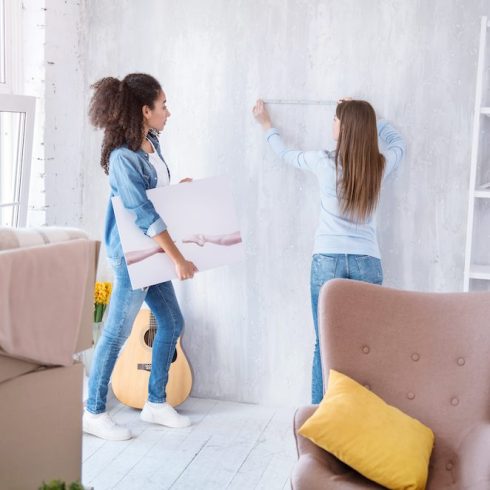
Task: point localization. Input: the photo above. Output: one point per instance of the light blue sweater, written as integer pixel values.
(335, 233)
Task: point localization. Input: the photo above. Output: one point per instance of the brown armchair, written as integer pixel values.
(427, 354)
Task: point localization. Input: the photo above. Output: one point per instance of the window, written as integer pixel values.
(16, 123)
(3, 44)
(16, 132)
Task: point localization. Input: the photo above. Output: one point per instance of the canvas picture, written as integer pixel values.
(201, 219)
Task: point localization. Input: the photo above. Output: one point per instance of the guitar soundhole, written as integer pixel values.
(150, 336)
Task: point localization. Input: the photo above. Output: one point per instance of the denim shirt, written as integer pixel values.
(130, 175)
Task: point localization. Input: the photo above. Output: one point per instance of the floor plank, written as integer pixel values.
(233, 434)
(163, 462)
(229, 445)
(271, 454)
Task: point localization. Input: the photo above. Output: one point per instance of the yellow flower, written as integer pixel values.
(102, 292)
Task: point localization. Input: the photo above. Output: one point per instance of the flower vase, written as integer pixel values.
(87, 355)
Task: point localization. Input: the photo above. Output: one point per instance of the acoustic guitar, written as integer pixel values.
(132, 370)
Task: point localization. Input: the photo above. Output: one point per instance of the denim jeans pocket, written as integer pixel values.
(322, 269)
(370, 269)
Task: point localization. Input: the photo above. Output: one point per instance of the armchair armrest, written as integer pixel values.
(474, 451)
(317, 469)
(305, 447)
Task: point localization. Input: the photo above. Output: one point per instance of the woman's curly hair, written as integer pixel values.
(116, 106)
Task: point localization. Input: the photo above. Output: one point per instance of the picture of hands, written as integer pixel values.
(201, 220)
(199, 239)
(227, 240)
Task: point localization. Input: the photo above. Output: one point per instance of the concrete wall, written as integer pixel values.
(64, 112)
(249, 333)
(32, 35)
(52, 67)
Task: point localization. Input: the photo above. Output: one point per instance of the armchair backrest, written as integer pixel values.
(428, 354)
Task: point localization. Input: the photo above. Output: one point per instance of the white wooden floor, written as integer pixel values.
(229, 446)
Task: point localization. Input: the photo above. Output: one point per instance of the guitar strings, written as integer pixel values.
(152, 328)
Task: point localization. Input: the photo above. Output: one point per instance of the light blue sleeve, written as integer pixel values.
(305, 160)
(128, 183)
(394, 146)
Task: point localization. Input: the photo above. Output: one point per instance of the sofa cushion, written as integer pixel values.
(31, 237)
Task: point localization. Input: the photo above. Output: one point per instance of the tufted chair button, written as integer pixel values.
(410, 395)
(365, 349)
(461, 361)
(454, 401)
(449, 465)
(415, 356)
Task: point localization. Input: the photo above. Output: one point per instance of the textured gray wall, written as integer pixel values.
(249, 332)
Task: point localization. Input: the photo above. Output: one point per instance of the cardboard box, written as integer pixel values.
(40, 427)
(82, 325)
(11, 367)
(41, 410)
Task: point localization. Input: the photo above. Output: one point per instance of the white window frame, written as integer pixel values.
(10, 13)
(10, 101)
(4, 45)
(27, 106)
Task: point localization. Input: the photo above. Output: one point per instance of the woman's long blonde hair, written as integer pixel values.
(358, 162)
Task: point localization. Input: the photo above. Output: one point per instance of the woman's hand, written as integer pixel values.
(198, 239)
(262, 114)
(185, 269)
(344, 99)
(139, 255)
(187, 179)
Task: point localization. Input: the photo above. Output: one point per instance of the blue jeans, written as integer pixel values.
(124, 306)
(325, 267)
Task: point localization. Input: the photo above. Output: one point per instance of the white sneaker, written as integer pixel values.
(164, 414)
(101, 425)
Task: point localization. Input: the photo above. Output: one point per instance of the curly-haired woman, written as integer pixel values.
(132, 112)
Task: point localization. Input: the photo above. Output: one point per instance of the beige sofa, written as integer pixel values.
(425, 353)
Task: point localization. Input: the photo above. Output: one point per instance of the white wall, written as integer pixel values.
(65, 112)
(52, 72)
(249, 332)
(33, 63)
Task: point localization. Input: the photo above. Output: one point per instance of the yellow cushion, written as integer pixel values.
(376, 439)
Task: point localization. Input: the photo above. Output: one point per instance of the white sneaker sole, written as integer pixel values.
(147, 417)
(108, 437)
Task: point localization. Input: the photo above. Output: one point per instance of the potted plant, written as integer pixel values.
(61, 485)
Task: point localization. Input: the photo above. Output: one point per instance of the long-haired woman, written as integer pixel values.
(350, 179)
(132, 112)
